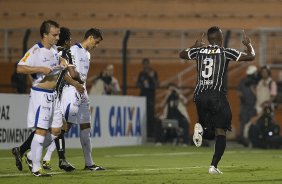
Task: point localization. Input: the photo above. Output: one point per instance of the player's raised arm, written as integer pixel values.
(250, 52)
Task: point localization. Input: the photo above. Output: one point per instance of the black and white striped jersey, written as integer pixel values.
(66, 54)
(212, 63)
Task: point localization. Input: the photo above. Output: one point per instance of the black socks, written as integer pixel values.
(26, 145)
(60, 145)
(219, 148)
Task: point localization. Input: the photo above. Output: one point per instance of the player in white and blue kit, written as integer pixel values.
(72, 77)
(76, 106)
(44, 64)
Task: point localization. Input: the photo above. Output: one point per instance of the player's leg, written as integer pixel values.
(69, 104)
(55, 129)
(86, 143)
(60, 145)
(219, 148)
(85, 140)
(18, 152)
(41, 108)
(48, 141)
(36, 150)
(221, 118)
(60, 141)
(46, 163)
(26, 145)
(198, 129)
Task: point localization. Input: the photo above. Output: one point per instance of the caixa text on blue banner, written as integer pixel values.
(120, 121)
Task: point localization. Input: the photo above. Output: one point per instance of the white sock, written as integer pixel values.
(86, 146)
(49, 151)
(36, 151)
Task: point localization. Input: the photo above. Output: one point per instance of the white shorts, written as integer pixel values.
(44, 109)
(75, 106)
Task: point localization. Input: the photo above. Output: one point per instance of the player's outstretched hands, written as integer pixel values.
(199, 42)
(246, 40)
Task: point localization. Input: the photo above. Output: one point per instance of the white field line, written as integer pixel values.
(25, 174)
(119, 170)
(165, 169)
(179, 154)
(162, 154)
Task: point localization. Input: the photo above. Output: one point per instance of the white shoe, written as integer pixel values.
(213, 170)
(198, 134)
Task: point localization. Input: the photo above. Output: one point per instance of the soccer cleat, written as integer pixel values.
(214, 170)
(198, 134)
(28, 162)
(65, 165)
(18, 157)
(46, 165)
(41, 173)
(94, 168)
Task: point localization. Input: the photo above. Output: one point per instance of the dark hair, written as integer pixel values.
(46, 25)
(96, 33)
(65, 35)
(211, 31)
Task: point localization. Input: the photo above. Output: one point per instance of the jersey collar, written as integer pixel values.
(79, 45)
(40, 45)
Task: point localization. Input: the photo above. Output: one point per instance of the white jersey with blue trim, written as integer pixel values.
(81, 59)
(38, 56)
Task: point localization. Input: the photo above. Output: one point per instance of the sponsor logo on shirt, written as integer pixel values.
(45, 60)
(81, 60)
(210, 51)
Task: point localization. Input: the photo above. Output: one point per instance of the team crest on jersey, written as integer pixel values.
(210, 51)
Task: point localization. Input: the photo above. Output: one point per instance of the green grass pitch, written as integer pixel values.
(150, 164)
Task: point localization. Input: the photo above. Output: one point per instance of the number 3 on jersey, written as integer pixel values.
(208, 67)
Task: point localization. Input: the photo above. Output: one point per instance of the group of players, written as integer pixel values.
(58, 97)
(58, 94)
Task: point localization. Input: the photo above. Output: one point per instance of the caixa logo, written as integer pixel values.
(125, 121)
(120, 121)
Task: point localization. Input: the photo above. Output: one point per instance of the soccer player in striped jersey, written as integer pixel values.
(63, 47)
(214, 113)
